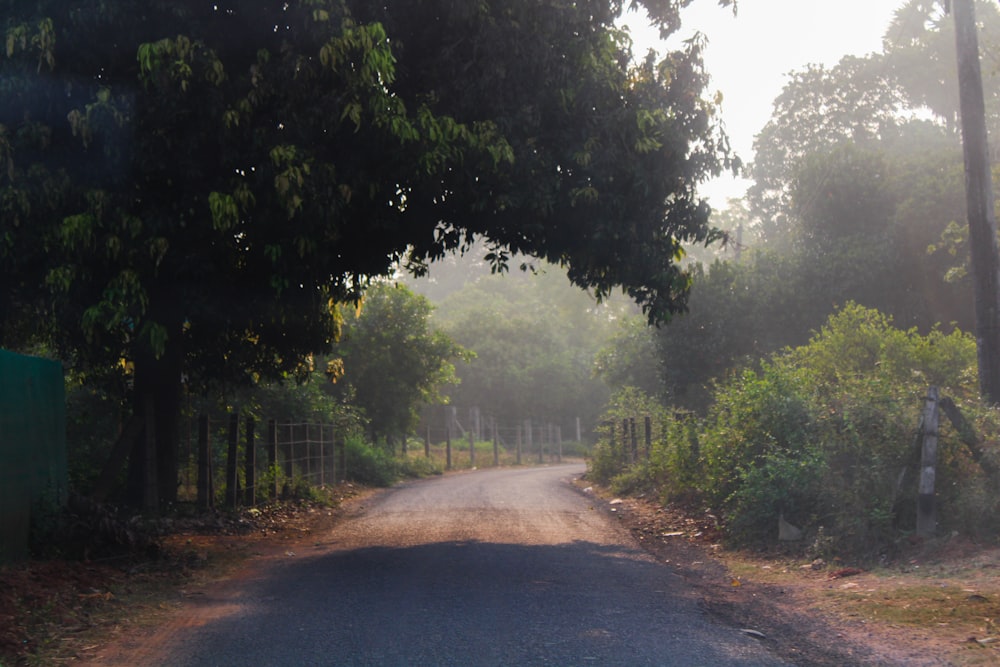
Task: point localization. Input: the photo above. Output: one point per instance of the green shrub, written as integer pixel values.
(367, 464)
(605, 463)
(637, 479)
(677, 458)
(419, 466)
(758, 448)
(823, 433)
(825, 436)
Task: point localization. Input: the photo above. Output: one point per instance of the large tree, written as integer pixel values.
(194, 186)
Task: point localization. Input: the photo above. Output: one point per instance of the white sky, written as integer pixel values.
(749, 55)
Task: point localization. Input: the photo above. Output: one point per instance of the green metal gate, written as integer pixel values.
(32, 445)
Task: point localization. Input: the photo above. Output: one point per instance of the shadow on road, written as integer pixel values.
(469, 603)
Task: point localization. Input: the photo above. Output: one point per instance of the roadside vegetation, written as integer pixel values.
(824, 437)
(792, 392)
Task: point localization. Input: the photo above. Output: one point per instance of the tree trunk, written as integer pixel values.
(979, 200)
(157, 380)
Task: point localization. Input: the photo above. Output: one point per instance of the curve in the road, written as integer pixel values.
(499, 567)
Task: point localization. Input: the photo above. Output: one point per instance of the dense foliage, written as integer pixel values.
(856, 209)
(390, 362)
(194, 187)
(823, 435)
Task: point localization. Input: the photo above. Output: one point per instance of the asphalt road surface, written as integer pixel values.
(499, 567)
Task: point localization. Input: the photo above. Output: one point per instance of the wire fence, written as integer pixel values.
(228, 457)
(241, 462)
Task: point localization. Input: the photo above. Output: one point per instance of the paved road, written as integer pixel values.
(500, 567)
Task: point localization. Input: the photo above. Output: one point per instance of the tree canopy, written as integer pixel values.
(196, 186)
(857, 196)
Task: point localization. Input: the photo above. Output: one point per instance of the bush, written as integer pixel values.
(368, 464)
(759, 452)
(419, 466)
(823, 435)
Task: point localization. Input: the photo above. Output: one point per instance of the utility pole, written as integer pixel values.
(979, 200)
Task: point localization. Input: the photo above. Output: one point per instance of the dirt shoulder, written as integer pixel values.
(59, 612)
(938, 604)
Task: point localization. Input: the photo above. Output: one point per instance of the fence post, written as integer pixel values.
(528, 435)
(427, 443)
(496, 444)
(342, 442)
(322, 456)
(579, 437)
(250, 466)
(232, 484)
(204, 465)
(472, 447)
(926, 510)
(289, 455)
(518, 459)
(308, 442)
(625, 452)
(559, 443)
(649, 437)
(447, 446)
(272, 456)
(634, 439)
(541, 444)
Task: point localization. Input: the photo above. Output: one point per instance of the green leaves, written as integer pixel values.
(821, 432)
(41, 39)
(225, 213)
(248, 175)
(392, 361)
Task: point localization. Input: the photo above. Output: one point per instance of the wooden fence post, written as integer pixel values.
(496, 443)
(250, 466)
(559, 443)
(289, 455)
(528, 435)
(518, 455)
(204, 465)
(308, 442)
(447, 446)
(649, 437)
(634, 440)
(926, 510)
(625, 452)
(232, 481)
(472, 447)
(322, 456)
(272, 456)
(427, 443)
(541, 444)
